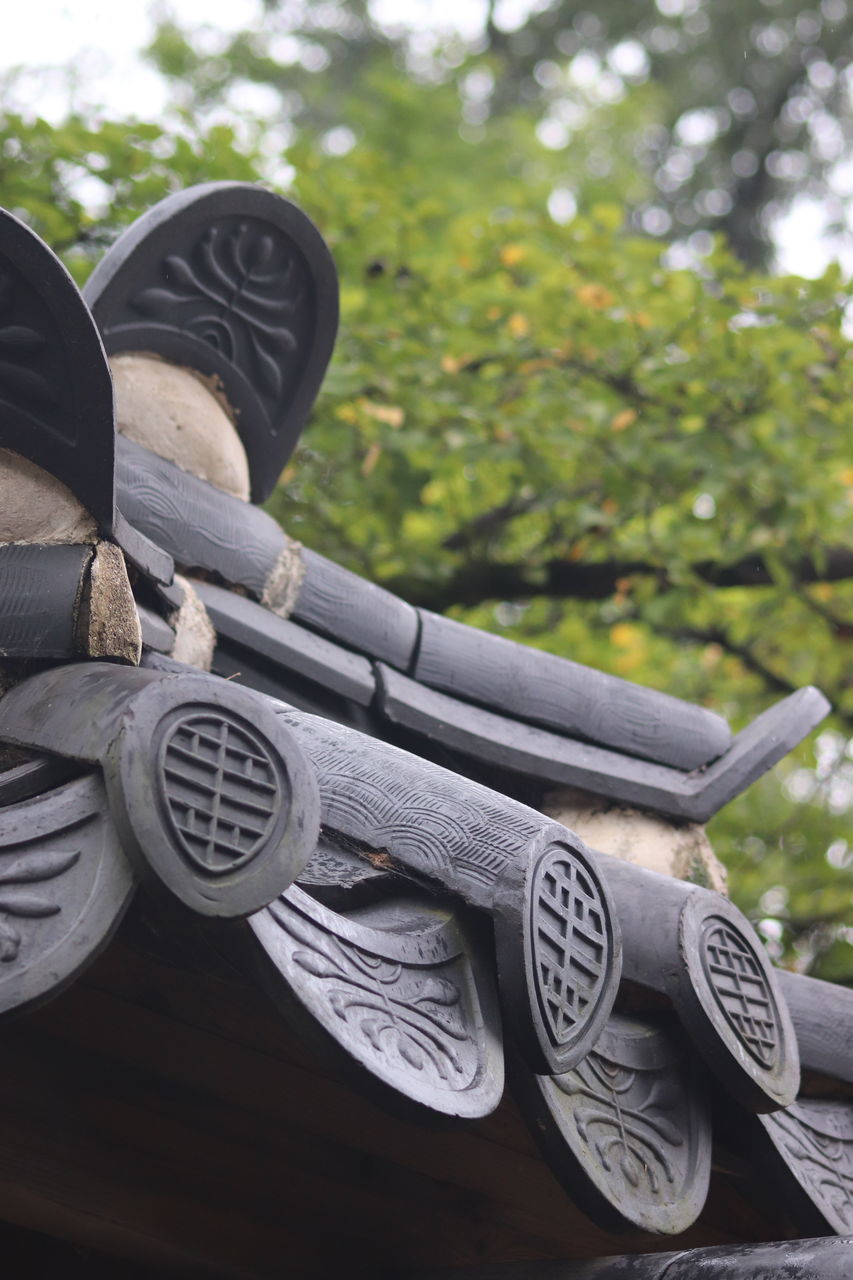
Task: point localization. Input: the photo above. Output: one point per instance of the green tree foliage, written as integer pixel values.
(752, 103)
(542, 424)
(79, 182)
(643, 468)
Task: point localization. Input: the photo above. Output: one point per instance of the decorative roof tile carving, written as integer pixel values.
(815, 1140)
(399, 987)
(628, 1131)
(570, 941)
(221, 789)
(64, 886)
(739, 983)
(430, 891)
(238, 284)
(55, 388)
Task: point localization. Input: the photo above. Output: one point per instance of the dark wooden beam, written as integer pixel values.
(160, 1112)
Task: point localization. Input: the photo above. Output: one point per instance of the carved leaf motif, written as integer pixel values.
(247, 296)
(259, 254)
(36, 867)
(10, 940)
(28, 904)
(438, 991)
(19, 341)
(153, 301)
(409, 1054)
(424, 1027)
(179, 270)
(25, 904)
(17, 337)
(823, 1160)
(627, 1119)
(25, 381)
(276, 304)
(216, 262)
(319, 966)
(270, 369)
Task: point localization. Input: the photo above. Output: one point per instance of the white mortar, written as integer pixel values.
(174, 413)
(195, 637)
(36, 507)
(680, 850)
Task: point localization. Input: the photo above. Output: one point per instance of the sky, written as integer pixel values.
(99, 39)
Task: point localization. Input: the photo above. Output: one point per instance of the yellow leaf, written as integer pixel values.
(847, 476)
(512, 254)
(371, 458)
(391, 414)
(450, 364)
(287, 475)
(346, 413)
(596, 296)
(494, 313)
(623, 420)
(692, 423)
(642, 319)
(624, 635)
(518, 325)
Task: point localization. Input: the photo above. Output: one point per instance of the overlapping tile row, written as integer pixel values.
(360, 801)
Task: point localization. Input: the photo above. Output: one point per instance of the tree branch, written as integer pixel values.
(488, 523)
(749, 658)
(480, 581)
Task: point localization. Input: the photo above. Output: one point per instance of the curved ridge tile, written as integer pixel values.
(237, 284)
(696, 948)
(559, 694)
(56, 396)
(557, 944)
(814, 1139)
(822, 1013)
(399, 986)
(64, 886)
(628, 1130)
(549, 758)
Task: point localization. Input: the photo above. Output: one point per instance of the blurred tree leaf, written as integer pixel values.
(752, 103)
(535, 422)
